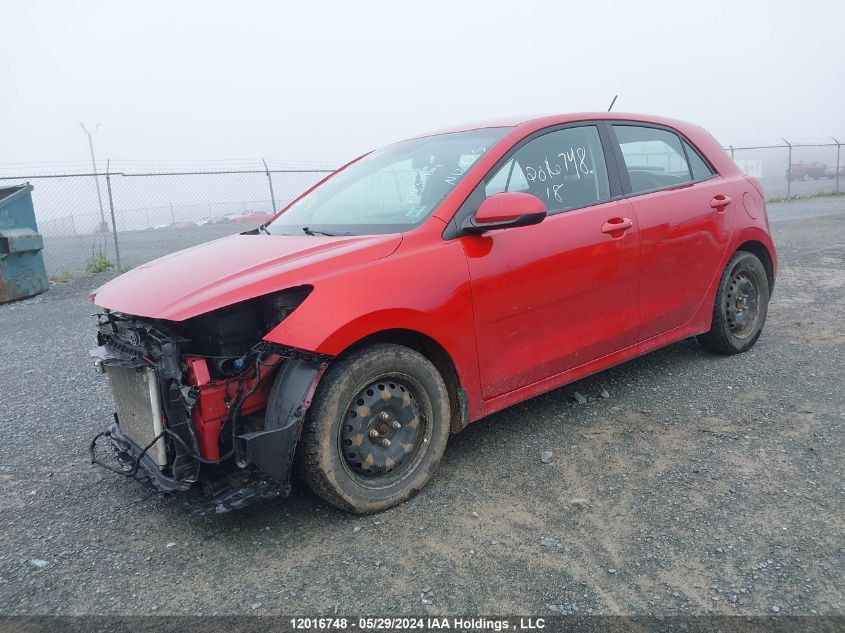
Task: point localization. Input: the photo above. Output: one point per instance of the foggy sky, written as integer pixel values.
(324, 81)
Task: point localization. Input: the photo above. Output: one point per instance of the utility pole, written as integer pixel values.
(104, 227)
(272, 195)
(789, 170)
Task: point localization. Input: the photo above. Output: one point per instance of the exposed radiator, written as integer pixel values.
(136, 399)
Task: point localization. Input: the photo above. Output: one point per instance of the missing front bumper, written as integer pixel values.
(219, 492)
(176, 429)
(134, 462)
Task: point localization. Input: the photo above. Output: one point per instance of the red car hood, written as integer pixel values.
(219, 273)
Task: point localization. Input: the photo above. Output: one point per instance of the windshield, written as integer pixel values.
(390, 190)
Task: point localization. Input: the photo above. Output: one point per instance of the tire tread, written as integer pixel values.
(718, 338)
(319, 428)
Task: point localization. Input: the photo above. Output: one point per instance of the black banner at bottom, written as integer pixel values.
(426, 623)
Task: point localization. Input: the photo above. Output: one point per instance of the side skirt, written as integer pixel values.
(582, 371)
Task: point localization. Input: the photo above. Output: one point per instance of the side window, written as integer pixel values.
(565, 169)
(654, 157)
(509, 178)
(700, 169)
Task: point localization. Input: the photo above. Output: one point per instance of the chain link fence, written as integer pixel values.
(96, 222)
(794, 169)
(140, 216)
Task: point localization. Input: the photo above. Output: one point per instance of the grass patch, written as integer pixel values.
(62, 278)
(795, 196)
(98, 262)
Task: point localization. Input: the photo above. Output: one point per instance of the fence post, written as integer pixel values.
(113, 223)
(270, 180)
(789, 171)
(732, 151)
(838, 146)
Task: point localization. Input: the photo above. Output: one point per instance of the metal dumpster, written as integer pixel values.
(22, 271)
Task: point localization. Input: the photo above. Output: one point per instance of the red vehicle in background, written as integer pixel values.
(421, 287)
(249, 217)
(806, 171)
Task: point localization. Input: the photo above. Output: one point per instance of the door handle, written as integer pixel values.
(720, 202)
(617, 226)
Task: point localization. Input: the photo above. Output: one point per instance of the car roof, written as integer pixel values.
(521, 127)
(539, 122)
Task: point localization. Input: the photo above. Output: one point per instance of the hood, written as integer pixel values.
(233, 269)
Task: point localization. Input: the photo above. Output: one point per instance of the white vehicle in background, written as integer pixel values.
(752, 167)
(831, 171)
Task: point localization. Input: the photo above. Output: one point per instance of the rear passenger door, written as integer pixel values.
(683, 207)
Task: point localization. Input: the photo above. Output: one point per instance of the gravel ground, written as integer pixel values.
(699, 485)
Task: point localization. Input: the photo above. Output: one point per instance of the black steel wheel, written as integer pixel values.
(384, 431)
(741, 306)
(376, 429)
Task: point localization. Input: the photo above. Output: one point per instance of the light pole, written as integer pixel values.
(789, 170)
(104, 227)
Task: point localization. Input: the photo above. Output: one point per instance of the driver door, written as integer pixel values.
(551, 297)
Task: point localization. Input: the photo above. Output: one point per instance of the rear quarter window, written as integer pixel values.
(700, 169)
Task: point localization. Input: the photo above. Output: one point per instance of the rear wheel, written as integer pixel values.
(376, 429)
(741, 306)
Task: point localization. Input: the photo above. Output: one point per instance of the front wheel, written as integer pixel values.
(741, 306)
(376, 429)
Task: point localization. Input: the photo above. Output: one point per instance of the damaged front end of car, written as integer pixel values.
(207, 403)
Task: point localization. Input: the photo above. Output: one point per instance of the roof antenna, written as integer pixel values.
(612, 102)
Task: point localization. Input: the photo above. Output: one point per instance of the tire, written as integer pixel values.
(741, 306)
(380, 393)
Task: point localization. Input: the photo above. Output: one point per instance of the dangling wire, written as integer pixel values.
(234, 414)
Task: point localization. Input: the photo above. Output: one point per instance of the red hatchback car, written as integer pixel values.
(419, 288)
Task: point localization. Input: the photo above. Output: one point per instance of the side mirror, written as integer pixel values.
(504, 210)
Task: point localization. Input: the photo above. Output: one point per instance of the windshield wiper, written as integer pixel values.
(308, 231)
(263, 229)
